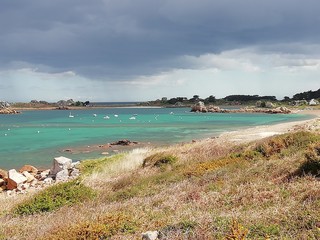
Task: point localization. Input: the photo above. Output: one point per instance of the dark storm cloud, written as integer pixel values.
(121, 38)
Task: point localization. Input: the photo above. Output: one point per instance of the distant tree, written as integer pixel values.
(286, 99)
(307, 95)
(210, 99)
(86, 103)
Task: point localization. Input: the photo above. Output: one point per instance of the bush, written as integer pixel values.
(159, 160)
(54, 197)
(312, 162)
(102, 228)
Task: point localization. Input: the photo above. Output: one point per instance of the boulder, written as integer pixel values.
(199, 107)
(48, 181)
(60, 163)
(150, 235)
(44, 174)
(14, 179)
(29, 176)
(30, 169)
(2, 182)
(3, 174)
(63, 175)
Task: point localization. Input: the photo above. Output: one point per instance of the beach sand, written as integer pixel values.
(259, 132)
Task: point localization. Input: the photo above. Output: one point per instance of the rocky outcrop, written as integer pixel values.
(5, 108)
(124, 142)
(200, 107)
(8, 111)
(29, 177)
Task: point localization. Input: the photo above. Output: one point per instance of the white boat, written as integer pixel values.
(116, 115)
(94, 115)
(106, 117)
(70, 115)
(132, 118)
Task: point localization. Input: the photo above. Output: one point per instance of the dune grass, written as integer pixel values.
(206, 190)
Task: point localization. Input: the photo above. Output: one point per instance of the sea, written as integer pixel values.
(36, 137)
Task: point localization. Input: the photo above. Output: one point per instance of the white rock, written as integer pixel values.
(48, 181)
(29, 176)
(75, 172)
(75, 164)
(44, 174)
(150, 235)
(63, 175)
(14, 179)
(22, 187)
(60, 163)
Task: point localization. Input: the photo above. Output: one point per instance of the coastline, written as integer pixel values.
(244, 135)
(260, 132)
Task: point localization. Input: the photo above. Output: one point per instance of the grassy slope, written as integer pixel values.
(204, 190)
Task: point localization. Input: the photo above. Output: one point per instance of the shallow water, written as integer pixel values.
(36, 137)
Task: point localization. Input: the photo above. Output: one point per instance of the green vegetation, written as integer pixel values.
(55, 197)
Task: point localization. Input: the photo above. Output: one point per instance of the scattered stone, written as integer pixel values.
(75, 173)
(60, 163)
(3, 173)
(105, 153)
(23, 187)
(150, 235)
(30, 169)
(67, 150)
(14, 179)
(2, 182)
(75, 164)
(29, 176)
(63, 175)
(48, 181)
(44, 174)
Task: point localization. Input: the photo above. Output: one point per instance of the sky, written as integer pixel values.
(124, 50)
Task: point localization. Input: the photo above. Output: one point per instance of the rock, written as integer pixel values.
(75, 164)
(199, 107)
(2, 182)
(22, 187)
(124, 142)
(104, 153)
(48, 181)
(14, 179)
(3, 174)
(29, 176)
(150, 235)
(60, 163)
(75, 173)
(30, 169)
(44, 174)
(63, 175)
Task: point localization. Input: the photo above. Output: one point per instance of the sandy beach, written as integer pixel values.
(259, 132)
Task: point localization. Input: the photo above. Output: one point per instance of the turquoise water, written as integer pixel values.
(36, 137)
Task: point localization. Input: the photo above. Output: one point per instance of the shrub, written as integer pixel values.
(292, 142)
(237, 232)
(159, 160)
(102, 228)
(312, 163)
(54, 197)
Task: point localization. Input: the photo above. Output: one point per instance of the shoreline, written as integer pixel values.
(243, 135)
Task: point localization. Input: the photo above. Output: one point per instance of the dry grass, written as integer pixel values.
(209, 192)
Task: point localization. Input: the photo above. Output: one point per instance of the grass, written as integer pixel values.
(55, 197)
(205, 190)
